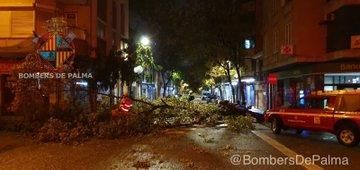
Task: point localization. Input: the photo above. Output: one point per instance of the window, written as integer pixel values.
(102, 9)
(344, 23)
(114, 38)
(267, 46)
(275, 44)
(329, 88)
(5, 27)
(247, 44)
(100, 30)
(274, 3)
(114, 14)
(328, 80)
(122, 19)
(71, 19)
(288, 33)
(284, 2)
(348, 79)
(350, 103)
(16, 23)
(317, 103)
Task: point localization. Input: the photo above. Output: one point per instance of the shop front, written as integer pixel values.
(297, 82)
(6, 94)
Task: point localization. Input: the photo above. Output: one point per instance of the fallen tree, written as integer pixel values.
(145, 117)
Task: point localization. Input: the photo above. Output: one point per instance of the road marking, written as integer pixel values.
(283, 149)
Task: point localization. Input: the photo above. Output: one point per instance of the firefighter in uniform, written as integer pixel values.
(124, 107)
(125, 104)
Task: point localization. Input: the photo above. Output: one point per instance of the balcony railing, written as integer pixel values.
(73, 2)
(79, 32)
(16, 45)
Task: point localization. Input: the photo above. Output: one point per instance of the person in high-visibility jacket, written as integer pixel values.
(125, 104)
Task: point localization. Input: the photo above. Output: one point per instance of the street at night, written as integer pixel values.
(179, 84)
(170, 149)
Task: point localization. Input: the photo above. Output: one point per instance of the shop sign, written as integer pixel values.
(6, 67)
(355, 41)
(272, 78)
(350, 67)
(287, 49)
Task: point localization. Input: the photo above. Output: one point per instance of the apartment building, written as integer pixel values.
(306, 46)
(99, 25)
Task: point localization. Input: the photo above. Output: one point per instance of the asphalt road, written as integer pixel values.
(310, 143)
(183, 148)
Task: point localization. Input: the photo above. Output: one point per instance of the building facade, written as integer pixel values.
(99, 25)
(307, 46)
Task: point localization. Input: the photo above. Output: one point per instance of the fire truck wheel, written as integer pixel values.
(348, 136)
(276, 125)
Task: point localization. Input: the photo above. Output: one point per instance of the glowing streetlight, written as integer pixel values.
(145, 41)
(138, 69)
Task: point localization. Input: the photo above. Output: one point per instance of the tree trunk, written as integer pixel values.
(92, 98)
(73, 92)
(111, 89)
(232, 87)
(140, 85)
(158, 84)
(221, 93)
(165, 84)
(241, 85)
(122, 88)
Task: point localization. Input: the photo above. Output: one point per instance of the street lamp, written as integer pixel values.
(138, 69)
(145, 41)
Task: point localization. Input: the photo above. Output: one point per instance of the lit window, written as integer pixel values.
(16, 23)
(247, 44)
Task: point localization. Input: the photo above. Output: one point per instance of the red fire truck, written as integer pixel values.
(337, 112)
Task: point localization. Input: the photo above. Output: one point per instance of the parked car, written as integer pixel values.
(337, 112)
(208, 97)
(228, 108)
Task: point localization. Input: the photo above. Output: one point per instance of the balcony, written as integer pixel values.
(341, 54)
(333, 5)
(79, 32)
(340, 30)
(73, 2)
(80, 41)
(15, 47)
